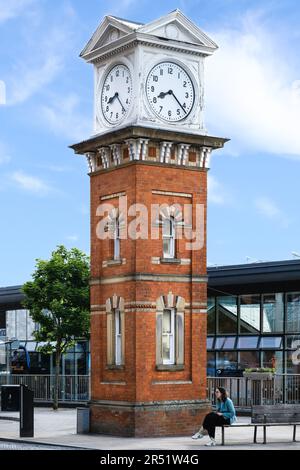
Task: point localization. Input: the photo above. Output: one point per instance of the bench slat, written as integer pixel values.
(275, 414)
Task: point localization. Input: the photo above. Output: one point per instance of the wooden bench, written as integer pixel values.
(268, 416)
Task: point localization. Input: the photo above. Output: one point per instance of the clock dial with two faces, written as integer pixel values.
(170, 92)
(116, 94)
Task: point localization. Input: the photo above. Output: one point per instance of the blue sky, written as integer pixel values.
(252, 97)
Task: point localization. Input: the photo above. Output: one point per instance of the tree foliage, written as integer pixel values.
(58, 300)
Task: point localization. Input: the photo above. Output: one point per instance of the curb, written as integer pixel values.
(49, 444)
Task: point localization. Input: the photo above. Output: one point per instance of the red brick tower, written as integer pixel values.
(148, 165)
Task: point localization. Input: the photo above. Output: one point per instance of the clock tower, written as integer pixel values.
(148, 159)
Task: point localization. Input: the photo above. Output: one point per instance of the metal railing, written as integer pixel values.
(245, 392)
(72, 388)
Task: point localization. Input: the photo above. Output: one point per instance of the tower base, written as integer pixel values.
(168, 418)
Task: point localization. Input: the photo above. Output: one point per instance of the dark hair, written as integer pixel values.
(223, 394)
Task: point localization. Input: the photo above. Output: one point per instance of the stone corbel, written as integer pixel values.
(134, 147)
(144, 151)
(105, 156)
(91, 159)
(165, 152)
(182, 153)
(205, 154)
(116, 153)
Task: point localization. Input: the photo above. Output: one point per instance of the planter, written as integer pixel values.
(259, 375)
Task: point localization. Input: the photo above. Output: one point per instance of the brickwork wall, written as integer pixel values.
(139, 381)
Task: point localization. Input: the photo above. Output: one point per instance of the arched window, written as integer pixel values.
(168, 233)
(170, 330)
(115, 331)
(168, 336)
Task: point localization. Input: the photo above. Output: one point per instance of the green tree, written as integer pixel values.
(58, 300)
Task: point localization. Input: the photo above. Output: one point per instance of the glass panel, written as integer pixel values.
(249, 314)
(225, 342)
(81, 360)
(227, 314)
(272, 313)
(166, 247)
(168, 227)
(273, 342)
(227, 360)
(118, 322)
(3, 357)
(21, 324)
(247, 342)
(293, 341)
(273, 360)
(249, 359)
(293, 362)
(209, 342)
(31, 345)
(211, 364)
(2, 320)
(293, 312)
(167, 321)
(211, 315)
(69, 364)
(166, 348)
(116, 248)
(118, 350)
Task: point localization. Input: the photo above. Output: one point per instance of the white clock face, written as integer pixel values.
(170, 92)
(116, 94)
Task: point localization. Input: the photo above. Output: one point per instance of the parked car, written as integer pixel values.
(230, 369)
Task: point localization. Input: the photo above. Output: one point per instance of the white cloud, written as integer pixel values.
(30, 183)
(64, 118)
(253, 93)
(2, 92)
(12, 8)
(44, 54)
(216, 192)
(269, 209)
(4, 154)
(72, 238)
(34, 78)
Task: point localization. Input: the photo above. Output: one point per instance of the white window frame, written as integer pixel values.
(170, 236)
(118, 337)
(170, 335)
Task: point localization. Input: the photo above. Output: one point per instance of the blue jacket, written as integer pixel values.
(227, 409)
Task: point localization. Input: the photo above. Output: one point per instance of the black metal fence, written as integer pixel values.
(72, 388)
(245, 391)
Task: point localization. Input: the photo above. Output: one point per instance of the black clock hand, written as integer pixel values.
(178, 101)
(112, 98)
(117, 95)
(163, 94)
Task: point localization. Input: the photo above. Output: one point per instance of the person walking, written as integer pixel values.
(224, 414)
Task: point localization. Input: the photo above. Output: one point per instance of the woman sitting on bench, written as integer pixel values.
(225, 414)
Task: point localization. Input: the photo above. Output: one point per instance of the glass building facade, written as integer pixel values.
(251, 323)
(19, 352)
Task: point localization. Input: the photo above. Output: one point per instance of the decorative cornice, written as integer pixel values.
(147, 277)
(134, 132)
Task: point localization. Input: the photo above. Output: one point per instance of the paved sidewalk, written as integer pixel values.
(59, 428)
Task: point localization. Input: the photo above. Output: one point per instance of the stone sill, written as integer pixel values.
(169, 367)
(115, 367)
(170, 261)
(113, 262)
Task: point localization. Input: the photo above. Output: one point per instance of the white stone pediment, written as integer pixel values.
(176, 26)
(111, 29)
